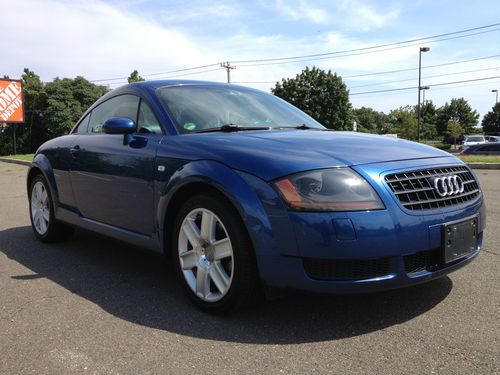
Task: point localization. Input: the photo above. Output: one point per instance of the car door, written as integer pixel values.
(113, 182)
(493, 149)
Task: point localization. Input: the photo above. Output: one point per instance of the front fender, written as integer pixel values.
(233, 186)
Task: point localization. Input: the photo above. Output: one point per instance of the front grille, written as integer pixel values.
(415, 192)
(348, 269)
(422, 261)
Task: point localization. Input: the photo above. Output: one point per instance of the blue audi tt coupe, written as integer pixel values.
(246, 193)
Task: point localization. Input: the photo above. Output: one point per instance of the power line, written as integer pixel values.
(424, 67)
(372, 47)
(342, 53)
(361, 53)
(398, 70)
(158, 74)
(481, 83)
(426, 77)
(179, 75)
(414, 87)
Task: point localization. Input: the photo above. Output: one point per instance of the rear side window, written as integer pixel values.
(119, 106)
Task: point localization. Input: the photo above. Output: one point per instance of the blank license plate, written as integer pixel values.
(459, 239)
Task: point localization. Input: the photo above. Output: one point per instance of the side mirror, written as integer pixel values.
(119, 125)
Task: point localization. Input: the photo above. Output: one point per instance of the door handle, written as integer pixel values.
(74, 151)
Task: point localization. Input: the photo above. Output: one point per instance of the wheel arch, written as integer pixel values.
(208, 177)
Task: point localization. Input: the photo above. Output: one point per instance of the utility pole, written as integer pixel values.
(228, 68)
(14, 148)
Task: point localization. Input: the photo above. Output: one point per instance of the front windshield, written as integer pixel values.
(200, 107)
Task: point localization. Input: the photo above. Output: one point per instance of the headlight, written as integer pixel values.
(339, 189)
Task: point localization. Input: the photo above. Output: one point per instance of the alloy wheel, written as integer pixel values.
(40, 209)
(206, 255)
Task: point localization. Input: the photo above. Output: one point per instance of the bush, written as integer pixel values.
(442, 146)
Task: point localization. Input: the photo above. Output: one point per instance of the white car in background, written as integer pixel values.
(471, 140)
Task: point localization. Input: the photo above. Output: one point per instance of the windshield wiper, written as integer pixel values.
(300, 127)
(231, 128)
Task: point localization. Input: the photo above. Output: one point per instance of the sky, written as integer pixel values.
(104, 41)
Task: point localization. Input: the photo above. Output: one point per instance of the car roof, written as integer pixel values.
(155, 84)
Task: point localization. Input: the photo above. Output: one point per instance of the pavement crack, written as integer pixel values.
(491, 252)
(25, 305)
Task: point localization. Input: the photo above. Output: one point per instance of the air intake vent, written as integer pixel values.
(348, 269)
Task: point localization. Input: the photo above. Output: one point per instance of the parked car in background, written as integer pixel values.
(476, 139)
(490, 148)
(492, 138)
(246, 193)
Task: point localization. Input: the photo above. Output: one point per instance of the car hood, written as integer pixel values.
(275, 153)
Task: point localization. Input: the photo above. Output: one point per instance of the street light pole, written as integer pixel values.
(496, 95)
(422, 49)
(424, 89)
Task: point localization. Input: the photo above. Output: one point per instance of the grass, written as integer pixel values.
(25, 157)
(480, 158)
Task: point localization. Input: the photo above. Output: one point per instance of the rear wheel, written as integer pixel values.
(213, 255)
(44, 224)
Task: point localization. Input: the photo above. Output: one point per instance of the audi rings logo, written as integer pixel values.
(448, 185)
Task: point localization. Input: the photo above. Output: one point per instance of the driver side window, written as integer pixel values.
(119, 106)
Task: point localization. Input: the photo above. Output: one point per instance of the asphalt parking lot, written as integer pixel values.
(92, 305)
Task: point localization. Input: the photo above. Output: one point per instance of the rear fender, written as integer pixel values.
(42, 164)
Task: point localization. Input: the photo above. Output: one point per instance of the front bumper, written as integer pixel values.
(349, 252)
(290, 273)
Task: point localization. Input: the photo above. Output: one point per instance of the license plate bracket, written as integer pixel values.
(459, 239)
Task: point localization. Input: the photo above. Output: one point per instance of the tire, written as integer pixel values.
(213, 255)
(41, 210)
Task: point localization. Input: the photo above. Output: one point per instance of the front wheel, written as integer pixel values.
(45, 226)
(213, 255)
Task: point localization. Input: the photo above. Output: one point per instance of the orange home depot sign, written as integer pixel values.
(11, 101)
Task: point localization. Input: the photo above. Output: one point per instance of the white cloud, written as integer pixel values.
(203, 11)
(361, 15)
(302, 10)
(349, 14)
(91, 38)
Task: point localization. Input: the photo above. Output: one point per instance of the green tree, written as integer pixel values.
(404, 122)
(67, 100)
(454, 130)
(428, 120)
(457, 110)
(135, 77)
(320, 94)
(51, 110)
(491, 120)
(35, 102)
(370, 121)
